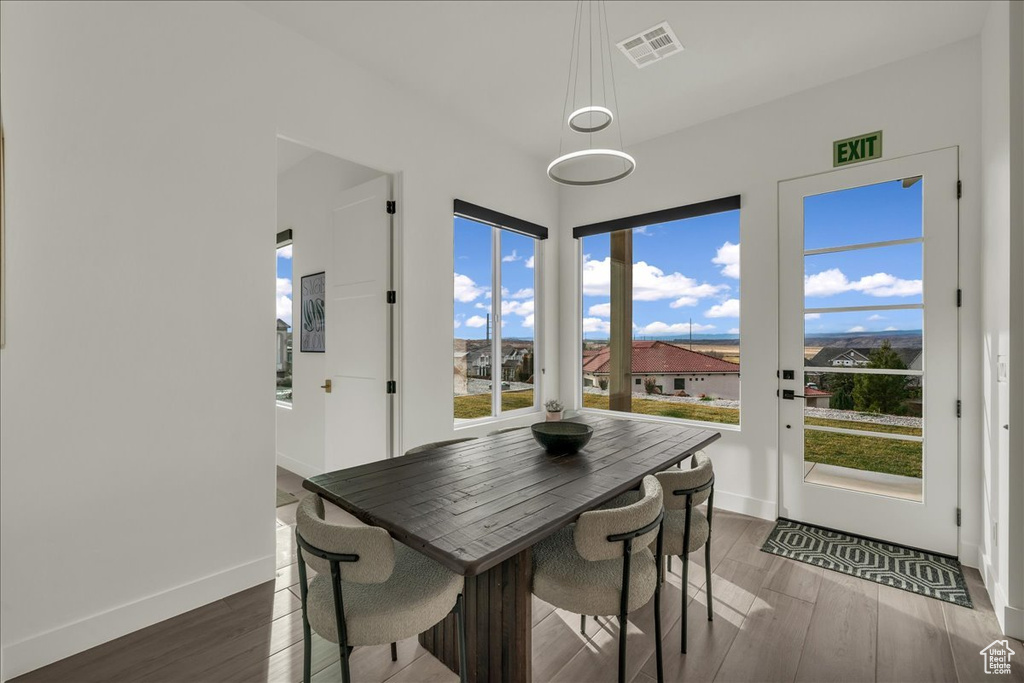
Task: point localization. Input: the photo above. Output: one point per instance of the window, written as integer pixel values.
(284, 317)
(495, 278)
(661, 299)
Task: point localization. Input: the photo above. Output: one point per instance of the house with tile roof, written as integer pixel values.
(675, 370)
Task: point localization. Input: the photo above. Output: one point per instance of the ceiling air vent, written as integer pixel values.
(652, 45)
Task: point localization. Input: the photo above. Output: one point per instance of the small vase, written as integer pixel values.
(554, 417)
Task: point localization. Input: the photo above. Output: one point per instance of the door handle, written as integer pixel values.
(326, 386)
(789, 394)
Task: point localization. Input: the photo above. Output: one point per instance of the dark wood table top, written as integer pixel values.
(473, 505)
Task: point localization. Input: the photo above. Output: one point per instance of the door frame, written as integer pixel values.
(780, 428)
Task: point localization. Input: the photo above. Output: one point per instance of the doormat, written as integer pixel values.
(911, 570)
(285, 498)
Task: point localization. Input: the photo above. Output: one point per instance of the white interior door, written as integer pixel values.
(357, 346)
(869, 330)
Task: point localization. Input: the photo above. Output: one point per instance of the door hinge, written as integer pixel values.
(392, 296)
(391, 206)
(958, 405)
(958, 516)
(959, 298)
(392, 387)
(959, 189)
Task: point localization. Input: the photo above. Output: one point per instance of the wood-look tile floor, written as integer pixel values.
(775, 620)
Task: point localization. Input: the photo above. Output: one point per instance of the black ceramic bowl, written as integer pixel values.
(562, 438)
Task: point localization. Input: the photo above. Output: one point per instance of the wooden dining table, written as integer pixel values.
(477, 507)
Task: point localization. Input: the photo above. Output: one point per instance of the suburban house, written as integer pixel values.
(601, 209)
(674, 370)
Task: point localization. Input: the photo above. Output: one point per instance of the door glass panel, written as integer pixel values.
(846, 352)
(847, 339)
(473, 324)
(517, 319)
(864, 277)
(873, 213)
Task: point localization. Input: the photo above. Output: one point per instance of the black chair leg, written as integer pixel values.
(394, 652)
(583, 624)
(622, 647)
(685, 559)
(657, 631)
(460, 618)
(707, 578)
(306, 649)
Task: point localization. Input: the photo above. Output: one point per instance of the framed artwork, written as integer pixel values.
(312, 330)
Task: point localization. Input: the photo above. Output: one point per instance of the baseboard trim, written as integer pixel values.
(970, 555)
(1011, 619)
(297, 467)
(755, 507)
(52, 646)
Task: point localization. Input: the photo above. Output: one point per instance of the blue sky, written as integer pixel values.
(284, 284)
(473, 281)
(690, 269)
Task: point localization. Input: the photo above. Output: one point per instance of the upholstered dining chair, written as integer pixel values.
(437, 444)
(687, 527)
(369, 589)
(602, 565)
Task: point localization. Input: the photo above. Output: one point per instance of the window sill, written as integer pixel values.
(720, 426)
(285, 405)
(506, 419)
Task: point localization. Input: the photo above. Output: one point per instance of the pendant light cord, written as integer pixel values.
(573, 52)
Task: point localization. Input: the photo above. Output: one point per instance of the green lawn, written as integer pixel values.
(479, 405)
(862, 426)
(870, 453)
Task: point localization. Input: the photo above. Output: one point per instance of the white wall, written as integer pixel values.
(141, 176)
(1002, 477)
(305, 194)
(924, 103)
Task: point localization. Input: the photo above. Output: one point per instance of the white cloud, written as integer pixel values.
(482, 306)
(514, 256)
(728, 256)
(834, 281)
(684, 301)
(876, 317)
(857, 328)
(466, 290)
(659, 328)
(812, 316)
(529, 262)
(284, 286)
(457, 324)
(285, 252)
(526, 293)
(891, 329)
(601, 310)
(734, 330)
(528, 321)
(284, 309)
(650, 283)
(596, 325)
(730, 308)
(476, 321)
(642, 231)
(520, 308)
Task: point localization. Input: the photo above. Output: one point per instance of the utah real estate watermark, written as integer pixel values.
(997, 657)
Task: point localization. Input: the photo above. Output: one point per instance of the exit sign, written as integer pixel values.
(855, 149)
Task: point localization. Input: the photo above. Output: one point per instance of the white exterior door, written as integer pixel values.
(869, 334)
(358, 345)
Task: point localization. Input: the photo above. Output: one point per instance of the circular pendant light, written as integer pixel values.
(561, 169)
(592, 80)
(597, 118)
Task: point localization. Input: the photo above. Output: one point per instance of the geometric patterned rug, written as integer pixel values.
(919, 572)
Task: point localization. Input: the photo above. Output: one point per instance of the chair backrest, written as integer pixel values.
(437, 444)
(594, 527)
(373, 545)
(699, 474)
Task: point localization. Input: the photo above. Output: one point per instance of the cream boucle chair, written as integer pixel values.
(685, 526)
(602, 564)
(369, 589)
(437, 444)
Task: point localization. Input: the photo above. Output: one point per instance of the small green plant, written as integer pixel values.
(603, 383)
(650, 385)
(705, 397)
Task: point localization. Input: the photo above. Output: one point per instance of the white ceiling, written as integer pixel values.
(290, 154)
(503, 65)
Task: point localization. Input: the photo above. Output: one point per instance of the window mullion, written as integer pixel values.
(496, 360)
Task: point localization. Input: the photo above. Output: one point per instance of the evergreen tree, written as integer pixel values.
(882, 393)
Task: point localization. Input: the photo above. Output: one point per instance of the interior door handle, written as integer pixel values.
(326, 386)
(789, 394)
